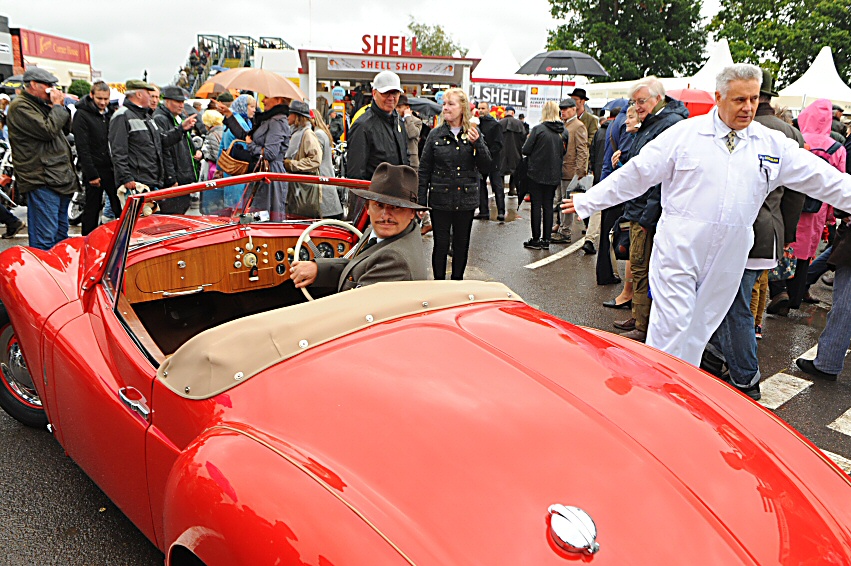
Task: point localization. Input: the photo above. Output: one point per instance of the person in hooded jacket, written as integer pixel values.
(815, 123)
(243, 109)
(91, 137)
(545, 149)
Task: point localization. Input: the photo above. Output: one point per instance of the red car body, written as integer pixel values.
(440, 435)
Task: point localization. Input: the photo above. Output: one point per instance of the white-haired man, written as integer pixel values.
(715, 172)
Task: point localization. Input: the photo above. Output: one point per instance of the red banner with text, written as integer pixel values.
(34, 44)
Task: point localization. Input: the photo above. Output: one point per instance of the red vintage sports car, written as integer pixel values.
(235, 422)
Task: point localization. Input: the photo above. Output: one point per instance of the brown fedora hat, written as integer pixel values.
(393, 184)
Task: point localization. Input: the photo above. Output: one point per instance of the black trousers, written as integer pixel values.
(94, 203)
(542, 208)
(796, 287)
(605, 274)
(498, 186)
(458, 223)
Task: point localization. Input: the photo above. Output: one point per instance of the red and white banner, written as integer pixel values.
(34, 44)
(412, 66)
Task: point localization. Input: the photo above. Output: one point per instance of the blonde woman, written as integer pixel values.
(545, 149)
(454, 158)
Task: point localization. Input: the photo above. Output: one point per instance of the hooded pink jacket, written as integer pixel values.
(814, 122)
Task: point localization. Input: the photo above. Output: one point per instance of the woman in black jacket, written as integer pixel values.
(454, 157)
(545, 149)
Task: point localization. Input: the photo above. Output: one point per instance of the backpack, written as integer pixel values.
(811, 204)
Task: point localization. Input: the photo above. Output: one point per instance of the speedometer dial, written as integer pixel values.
(325, 250)
(303, 254)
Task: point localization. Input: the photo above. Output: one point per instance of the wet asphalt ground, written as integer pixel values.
(51, 513)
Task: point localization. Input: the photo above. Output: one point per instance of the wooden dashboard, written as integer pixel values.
(233, 267)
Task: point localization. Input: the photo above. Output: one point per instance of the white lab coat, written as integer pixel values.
(710, 200)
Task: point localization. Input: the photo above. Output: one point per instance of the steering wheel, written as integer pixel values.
(305, 239)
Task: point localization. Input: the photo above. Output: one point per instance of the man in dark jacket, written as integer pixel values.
(38, 123)
(377, 136)
(735, 341)
(180, 159)
(514, 134)
(493, 137)
(657, 113)
(91, 137)
(136, 142)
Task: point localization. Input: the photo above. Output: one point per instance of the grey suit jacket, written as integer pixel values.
(400, 258)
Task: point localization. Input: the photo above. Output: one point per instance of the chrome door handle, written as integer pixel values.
(137, 403)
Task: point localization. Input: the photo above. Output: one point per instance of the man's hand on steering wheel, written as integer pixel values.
(303, 273)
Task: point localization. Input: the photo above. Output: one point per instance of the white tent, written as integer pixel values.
(720, 57)
(498, 62)
(820, 81)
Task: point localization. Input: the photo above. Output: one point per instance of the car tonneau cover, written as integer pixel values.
(220, 358)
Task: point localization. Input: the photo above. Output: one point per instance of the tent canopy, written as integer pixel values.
(820, 81)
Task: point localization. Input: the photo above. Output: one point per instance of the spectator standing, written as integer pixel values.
(91, 137)
(592, 124)
(243, 110)
(545, 149)
(136, 142)
(595, 166)
(377, 136)
(514, 135)
(155, 97)
(493, 137)
(453, 159)
(214, 122)
(335, 124)
(575, 163)
(38, 123)
(332, 206)
(413, 127)
(836, 125)
(522, 119)
(181, 159)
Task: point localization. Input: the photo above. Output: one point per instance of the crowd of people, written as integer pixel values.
(688, 191)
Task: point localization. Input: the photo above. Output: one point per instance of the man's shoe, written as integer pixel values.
(635, 334)
(482, 217)
(559, 238)
(628, 324)
(532, 244)
(500, 218)
(810, 299)
(808, 366)
(827, 279)
(588, 248)
(13, 228)
(779, 305)
(545, 244)
(512, 192)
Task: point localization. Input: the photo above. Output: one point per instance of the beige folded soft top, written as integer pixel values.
(222, 357)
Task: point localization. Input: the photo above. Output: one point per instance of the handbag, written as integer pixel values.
(785, 268)
(229, 164)
(619, 238)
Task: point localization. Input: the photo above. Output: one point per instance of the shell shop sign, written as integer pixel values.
(412, 66)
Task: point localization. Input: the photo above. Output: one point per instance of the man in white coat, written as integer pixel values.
(715, 171)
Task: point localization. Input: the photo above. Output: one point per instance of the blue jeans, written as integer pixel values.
(834, 340)
(818, 267)
(735, 337)
(47, 216)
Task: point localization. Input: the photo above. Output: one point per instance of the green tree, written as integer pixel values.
(80, 88)
(433, 40)
(785, 36)
(632, 39)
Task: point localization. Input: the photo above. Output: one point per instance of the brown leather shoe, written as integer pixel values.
(628, 324)
(635, 334)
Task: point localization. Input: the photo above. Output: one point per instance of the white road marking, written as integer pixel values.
(810, 354)
(843, 423)
(841, 461)
(779, 388)
(556, 256)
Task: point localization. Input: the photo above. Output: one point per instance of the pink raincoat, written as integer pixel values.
(815, 122)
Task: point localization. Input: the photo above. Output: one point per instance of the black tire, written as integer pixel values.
(18, 396)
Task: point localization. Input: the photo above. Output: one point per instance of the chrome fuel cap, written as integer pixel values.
(573, 529)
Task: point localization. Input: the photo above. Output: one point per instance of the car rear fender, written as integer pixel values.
(232, 498)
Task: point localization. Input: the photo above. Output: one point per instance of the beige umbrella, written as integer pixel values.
(260, 81)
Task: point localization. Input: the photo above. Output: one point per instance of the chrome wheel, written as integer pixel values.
(16, 376)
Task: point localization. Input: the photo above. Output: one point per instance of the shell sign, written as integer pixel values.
(34, 44)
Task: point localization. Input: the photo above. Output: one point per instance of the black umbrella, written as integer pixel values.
(426, 108)
(563, 63)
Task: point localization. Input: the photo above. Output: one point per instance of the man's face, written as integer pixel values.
(388, 220)
(154, 99)
(644, 103)
(39, 90)
(386, 101)
(142, 98)
(484, 109)
(837, 114)
(580, 104)
(738, 107)
(101, 99)
(568, 113)
(174, 106)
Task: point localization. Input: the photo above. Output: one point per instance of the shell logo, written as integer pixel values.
(534, 90)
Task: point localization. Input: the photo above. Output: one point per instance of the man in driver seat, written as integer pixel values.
(390, 250)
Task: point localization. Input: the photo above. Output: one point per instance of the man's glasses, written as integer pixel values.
(633, 102)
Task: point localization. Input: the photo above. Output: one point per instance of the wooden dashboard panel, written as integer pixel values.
(231, 267)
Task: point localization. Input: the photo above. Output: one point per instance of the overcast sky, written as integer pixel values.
(157, 34)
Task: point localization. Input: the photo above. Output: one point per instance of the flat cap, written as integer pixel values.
(135, 84)
(39, 76)
(174, 93)
(567, 103)
(225, 97)
(838, 108)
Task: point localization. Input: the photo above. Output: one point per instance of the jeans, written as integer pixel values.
(818, 267)
(834, 340)
(458, 223)
(542, 198)
(47, 216)
(735, 337)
